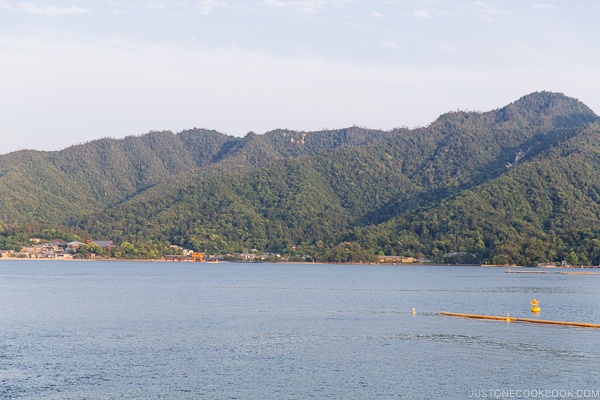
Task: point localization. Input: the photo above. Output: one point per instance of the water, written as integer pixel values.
(135, 330)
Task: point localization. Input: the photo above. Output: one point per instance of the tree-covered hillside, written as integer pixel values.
(513, 185)
(57, 188)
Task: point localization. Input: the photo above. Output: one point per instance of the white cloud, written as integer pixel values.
(447, 47)
(391, 45)
(156, 4)
(209, 6)
(306, 6)
(52, 10)
(377, 14)
(545, 6)
(422, 14)
(482, 10)
(274, 3)
(5, 6)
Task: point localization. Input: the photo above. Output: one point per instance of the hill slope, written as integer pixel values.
(57, 188)
(515, 184)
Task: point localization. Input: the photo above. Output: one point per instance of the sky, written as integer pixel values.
(75, 71)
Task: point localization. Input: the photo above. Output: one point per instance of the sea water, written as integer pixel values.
(141, 330)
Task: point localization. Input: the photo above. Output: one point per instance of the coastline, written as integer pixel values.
(530, 269)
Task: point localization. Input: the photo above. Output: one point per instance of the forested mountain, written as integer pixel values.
(57, 187)
(513, 185)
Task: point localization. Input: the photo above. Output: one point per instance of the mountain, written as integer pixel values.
(58, 187)
(513, 185)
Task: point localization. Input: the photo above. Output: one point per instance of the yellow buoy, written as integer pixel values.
(535, 306)
(414, 311)
(507, 317)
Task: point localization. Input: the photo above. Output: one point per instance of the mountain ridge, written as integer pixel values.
(293, 191)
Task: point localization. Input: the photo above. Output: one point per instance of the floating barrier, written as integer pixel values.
(508, 271)
(579, 273)
(529, 320)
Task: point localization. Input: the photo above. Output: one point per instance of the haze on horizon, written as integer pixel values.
(78, 70)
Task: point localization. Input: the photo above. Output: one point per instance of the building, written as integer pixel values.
(105, 244)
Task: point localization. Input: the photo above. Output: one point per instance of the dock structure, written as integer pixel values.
(195, 257)
(528, 320)
(175, 257)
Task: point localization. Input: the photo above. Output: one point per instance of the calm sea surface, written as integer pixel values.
(119, 330)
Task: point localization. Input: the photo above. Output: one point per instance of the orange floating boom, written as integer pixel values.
(533, 321)
(475, 316)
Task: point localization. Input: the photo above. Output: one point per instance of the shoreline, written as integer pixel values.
(530, 269)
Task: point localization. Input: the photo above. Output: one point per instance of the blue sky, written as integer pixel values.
(75, 71)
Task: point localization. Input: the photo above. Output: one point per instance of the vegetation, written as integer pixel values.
(515, 185)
